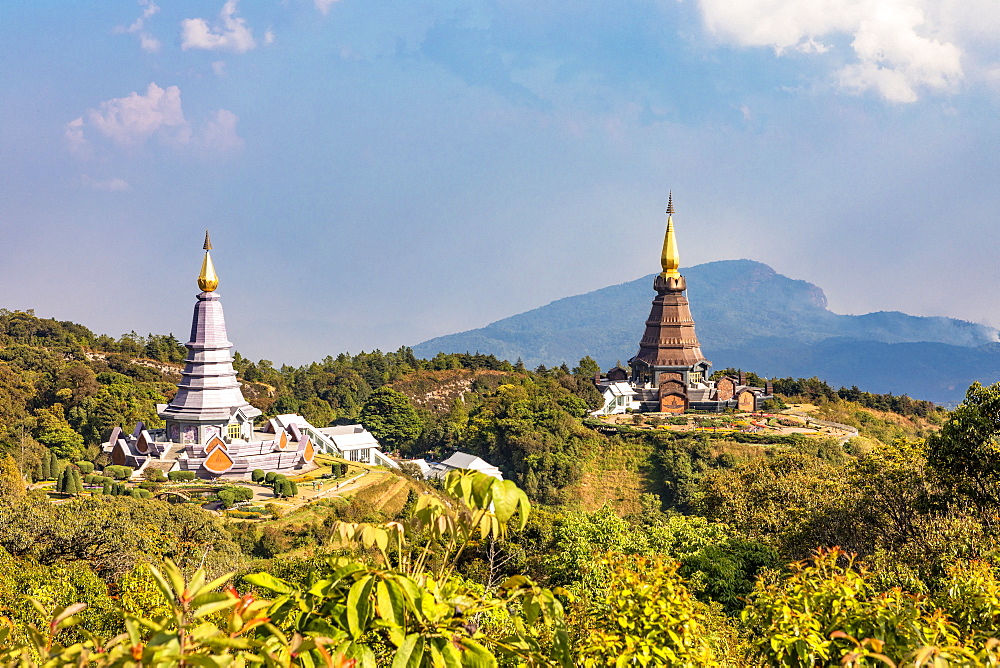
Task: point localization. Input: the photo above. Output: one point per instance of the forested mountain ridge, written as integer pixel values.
(750, 316)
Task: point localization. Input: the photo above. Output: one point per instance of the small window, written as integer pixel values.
(234, 431)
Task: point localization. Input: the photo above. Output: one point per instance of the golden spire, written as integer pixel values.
(208, 281)
(669, 258)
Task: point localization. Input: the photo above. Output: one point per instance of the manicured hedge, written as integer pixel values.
(118, 472)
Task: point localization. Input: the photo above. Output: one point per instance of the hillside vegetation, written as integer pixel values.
(606, 542)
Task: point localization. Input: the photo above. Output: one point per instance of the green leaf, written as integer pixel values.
(211, 602)
(175, 576)
(197, 582)
(362, 653)
(481, 486)
(389, 602)
(359, 606)
(211, 586)
(476, 656)
(68, 612)
(411, 652)
(506, 496)
(162, 584)
(268, 581)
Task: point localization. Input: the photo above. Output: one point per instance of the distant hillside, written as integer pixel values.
(750, 316)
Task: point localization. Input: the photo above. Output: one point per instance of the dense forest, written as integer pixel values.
(606, 545)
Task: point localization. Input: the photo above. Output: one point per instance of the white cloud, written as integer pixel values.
(108, 185)
(324, 5)
(148, 43)
(132, 121)
(230, 32)
(74, 136)
(893, 44)
(218, 135)
(219, 67)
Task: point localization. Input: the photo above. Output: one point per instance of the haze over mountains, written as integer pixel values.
(751, 317)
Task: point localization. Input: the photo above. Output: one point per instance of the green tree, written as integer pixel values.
(55, 433)
(391, 418)
(587, 368)
(11, 482)
(966, 451)
(45, 466)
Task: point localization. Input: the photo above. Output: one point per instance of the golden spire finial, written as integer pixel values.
(670, 259)
(208, 281)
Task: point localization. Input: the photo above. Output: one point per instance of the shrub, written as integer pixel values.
(227, 497)
(269, 477)
(258, 475)
(178, 476)
(645, 616)
(154, 475)
(138, 493)
(85, 467)
(118, 472)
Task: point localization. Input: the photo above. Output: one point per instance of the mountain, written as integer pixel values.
(752, 317)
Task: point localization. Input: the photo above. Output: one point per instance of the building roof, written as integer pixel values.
(619, 389)
(350, 437)
(463, 460)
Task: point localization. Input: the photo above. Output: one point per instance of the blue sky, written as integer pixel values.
(378, 173)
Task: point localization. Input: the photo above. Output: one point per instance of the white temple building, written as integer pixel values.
(210, 425)
(463, 460)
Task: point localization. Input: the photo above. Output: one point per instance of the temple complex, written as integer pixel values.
(210, 425)
(670, 374)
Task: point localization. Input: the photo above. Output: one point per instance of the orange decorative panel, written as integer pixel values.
(219, 461)
(672, 403)
(746, 401)
(308, 452)
(142, 445)
(214, 443)
(283, 440)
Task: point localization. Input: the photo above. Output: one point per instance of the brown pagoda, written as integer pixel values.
(669, 360)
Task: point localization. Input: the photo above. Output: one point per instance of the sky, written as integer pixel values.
(378, 173)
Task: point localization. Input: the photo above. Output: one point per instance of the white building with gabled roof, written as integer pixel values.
(462, 460)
